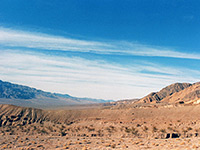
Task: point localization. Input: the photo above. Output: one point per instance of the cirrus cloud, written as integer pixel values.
(17, 38)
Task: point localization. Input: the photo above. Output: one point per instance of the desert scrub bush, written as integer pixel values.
(108, 129)
(43, 131)
(111, 129)
(170, 128)
(134, 131)
(162, 130)
(99, 132)
(196, 130)
(175, 130)
(78, 128)
(8, 129)
(127, 130)
(62, 133)
(69, 129)
(50, 128)
(189, 128)
(138, 125)
(90, 129)
(107, 145)
(113, 145)
(154, 129)
(145, 129)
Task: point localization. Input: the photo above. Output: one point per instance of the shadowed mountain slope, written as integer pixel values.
(188, 95)
(165, 92)
(30, 97)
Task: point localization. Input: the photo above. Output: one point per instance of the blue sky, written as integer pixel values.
(110, 49)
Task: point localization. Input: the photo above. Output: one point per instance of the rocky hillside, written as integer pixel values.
(30, 97)
(14, 115)
(190, 95)
(165, 92)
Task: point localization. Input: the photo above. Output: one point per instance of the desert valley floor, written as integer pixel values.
(132, 126)
(168, 119)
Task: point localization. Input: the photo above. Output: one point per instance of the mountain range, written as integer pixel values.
(26, 96)
(31, 97)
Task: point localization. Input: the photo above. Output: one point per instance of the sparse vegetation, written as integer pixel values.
(189, 128)
(154, 129)
(145, 129)
(170, 128)
(134, 131)
(127, 130)
(163, 131)
(115, 131)
(111, 129)
(90, 129)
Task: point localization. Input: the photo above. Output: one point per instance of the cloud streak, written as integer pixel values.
(16, 38)
(86, 78)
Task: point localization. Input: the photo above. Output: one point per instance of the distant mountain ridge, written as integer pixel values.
(26, 96)
(15, 91)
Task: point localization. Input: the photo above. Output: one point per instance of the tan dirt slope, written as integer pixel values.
(14, 115)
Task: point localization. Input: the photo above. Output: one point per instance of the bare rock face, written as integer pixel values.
(165, 92)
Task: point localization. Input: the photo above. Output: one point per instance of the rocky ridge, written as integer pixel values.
(11, 115)
(165, 92)
(190, 95)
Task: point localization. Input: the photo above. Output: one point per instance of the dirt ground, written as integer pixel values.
(144, 127)
(95, 143)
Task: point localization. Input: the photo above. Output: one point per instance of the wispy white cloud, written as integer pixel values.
(17, 38)
(83, 77)
(87, 78)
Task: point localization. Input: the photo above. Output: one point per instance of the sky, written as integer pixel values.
(107, 49)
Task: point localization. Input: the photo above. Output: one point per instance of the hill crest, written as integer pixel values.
(165, 92)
